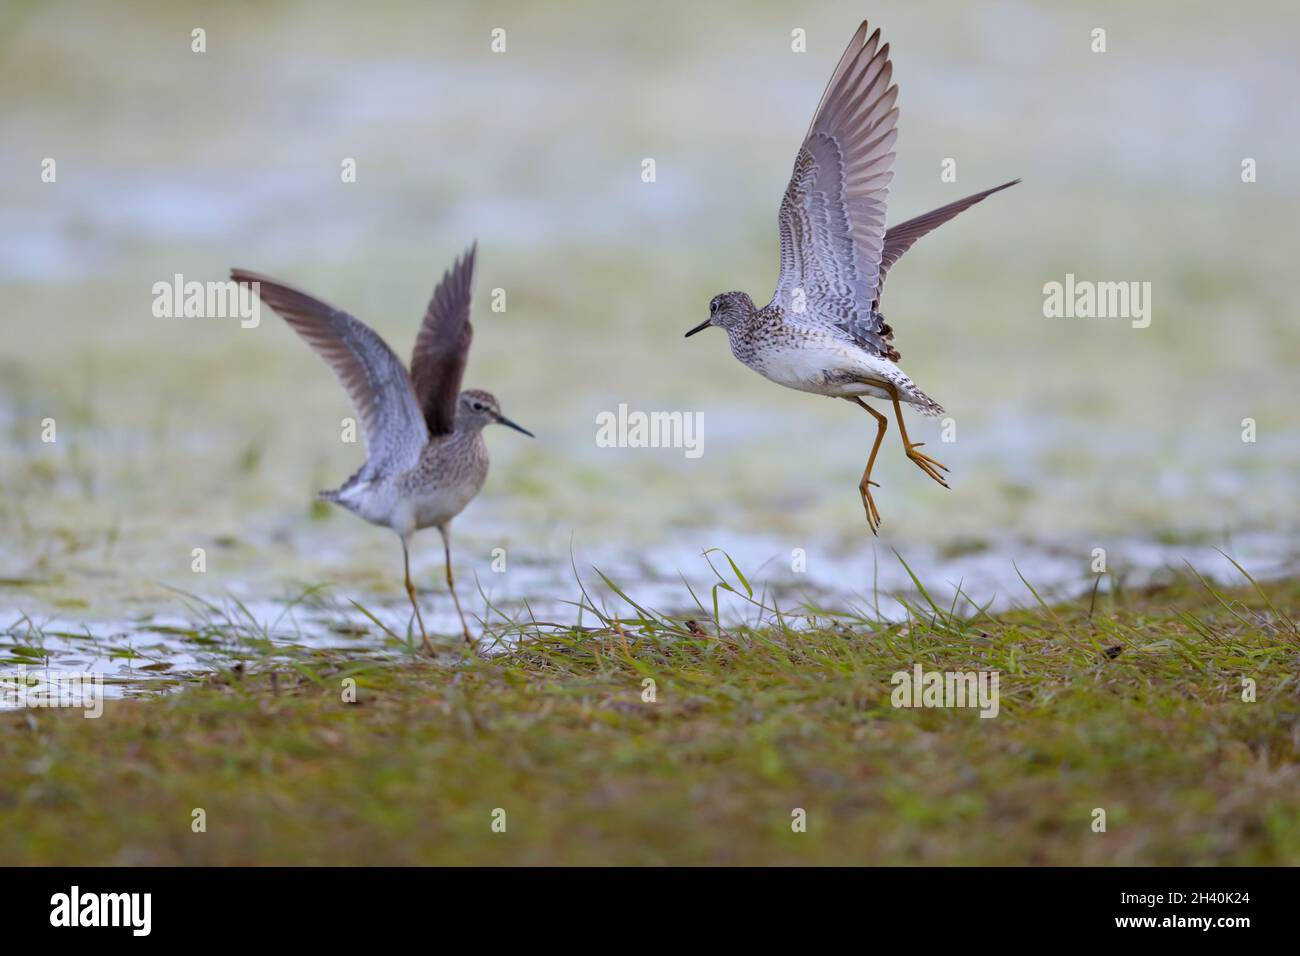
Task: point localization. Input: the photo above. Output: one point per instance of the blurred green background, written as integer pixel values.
(1072, 434)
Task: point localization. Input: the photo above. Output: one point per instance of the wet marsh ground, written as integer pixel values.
(1132, 705)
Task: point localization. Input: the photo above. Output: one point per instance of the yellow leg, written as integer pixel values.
(451, 586)
(864, 486)
(410, 592)
(922, 461)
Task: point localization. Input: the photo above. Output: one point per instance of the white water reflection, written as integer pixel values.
(157, 651)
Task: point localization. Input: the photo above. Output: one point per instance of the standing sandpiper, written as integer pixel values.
(823, 331)
(427, 459)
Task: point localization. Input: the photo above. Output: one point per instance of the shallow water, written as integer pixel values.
(1067, 435)
(153, 652)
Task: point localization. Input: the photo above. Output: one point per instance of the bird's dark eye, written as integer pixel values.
(713, 307)
(478, 406)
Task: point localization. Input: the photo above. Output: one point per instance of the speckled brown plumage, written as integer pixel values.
(426, 456)
(823, 331)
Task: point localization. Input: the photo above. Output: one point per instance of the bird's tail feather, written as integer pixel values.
(336, 494)
(926, 405)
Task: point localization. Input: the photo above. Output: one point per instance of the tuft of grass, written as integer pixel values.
(656, 739)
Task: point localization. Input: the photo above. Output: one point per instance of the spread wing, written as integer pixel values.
(899, 238)
(372, 375)
(832, 217)
(442, 347)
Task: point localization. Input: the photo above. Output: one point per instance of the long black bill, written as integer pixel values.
(699, 328)
(502, 420)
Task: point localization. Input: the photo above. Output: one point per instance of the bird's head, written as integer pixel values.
(478, 409)
(727, 310)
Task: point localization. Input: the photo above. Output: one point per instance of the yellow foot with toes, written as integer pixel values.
(926, 463)
(873, 516)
